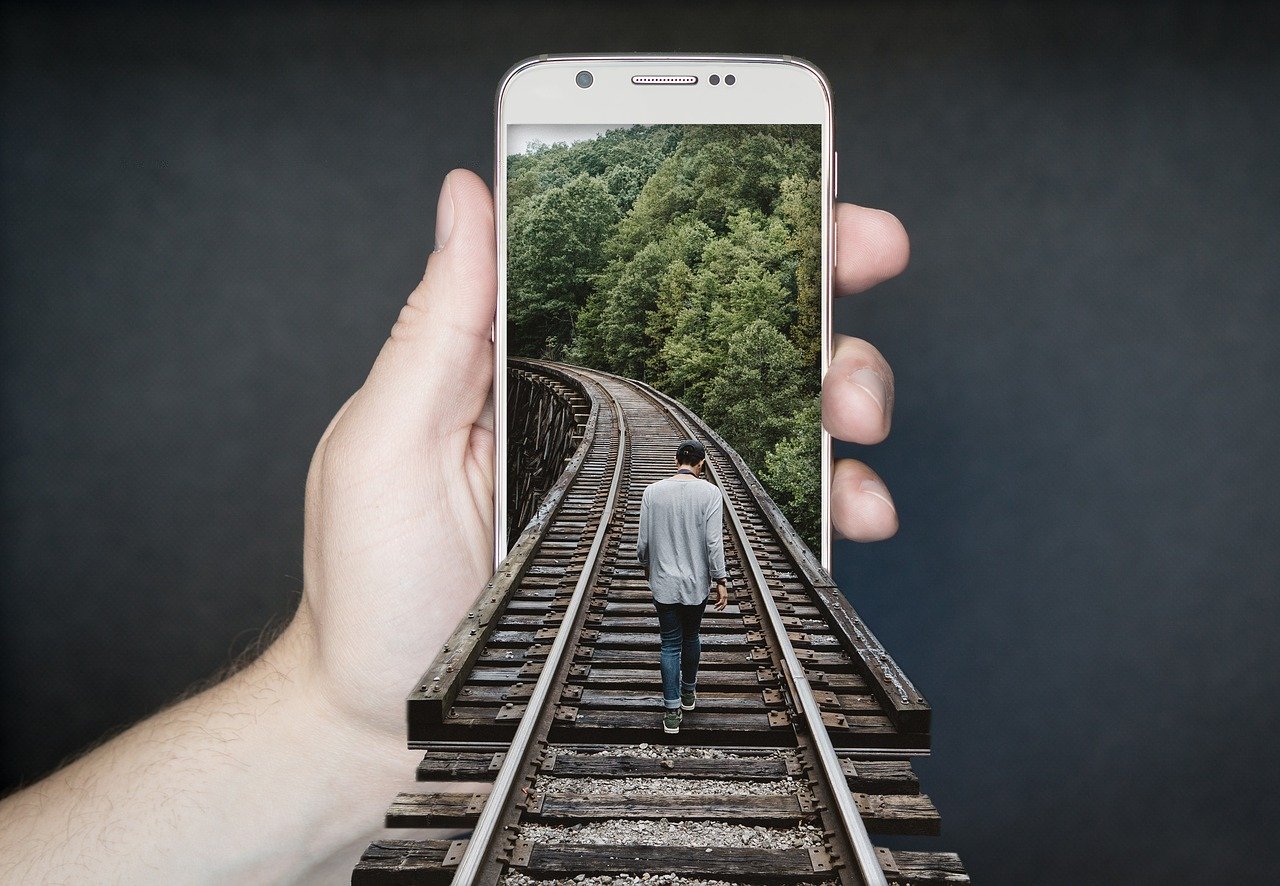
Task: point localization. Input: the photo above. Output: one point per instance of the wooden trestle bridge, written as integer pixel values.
(549, 691)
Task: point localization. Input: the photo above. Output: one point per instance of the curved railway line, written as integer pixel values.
(548, 693)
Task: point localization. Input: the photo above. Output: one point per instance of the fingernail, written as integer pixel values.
(871, 382)
(444, 215)
(875, 487)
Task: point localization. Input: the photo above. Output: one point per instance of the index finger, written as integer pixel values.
(871, 247)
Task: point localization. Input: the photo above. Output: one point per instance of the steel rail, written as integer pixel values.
(855, 829)
(476, 854)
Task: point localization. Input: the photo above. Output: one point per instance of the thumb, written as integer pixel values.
(435, 370)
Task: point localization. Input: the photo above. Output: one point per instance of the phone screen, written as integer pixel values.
(685, 256)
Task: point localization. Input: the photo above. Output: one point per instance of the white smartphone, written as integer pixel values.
(666, 218)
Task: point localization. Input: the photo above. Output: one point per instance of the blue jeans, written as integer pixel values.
(681, 648)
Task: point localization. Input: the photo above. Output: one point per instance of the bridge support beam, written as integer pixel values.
(545, 417)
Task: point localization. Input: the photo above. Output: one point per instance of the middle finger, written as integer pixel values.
(857, 392)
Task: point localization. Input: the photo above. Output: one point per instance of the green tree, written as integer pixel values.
(622, 327)
(610, 332)
(793, 473)
(693, 355)
(531, 174)
(800, 208)
(624, 158)
(754, 267)
(687, 238)
(554, 243)
(755, 394)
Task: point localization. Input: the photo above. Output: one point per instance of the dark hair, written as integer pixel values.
(690, 452)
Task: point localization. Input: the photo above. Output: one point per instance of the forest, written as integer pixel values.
(687, 256)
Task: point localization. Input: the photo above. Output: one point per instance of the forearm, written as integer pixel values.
(715, 541)
(715, 558)
(255, 779)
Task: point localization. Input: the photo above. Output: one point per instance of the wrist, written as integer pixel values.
(355, 766)
(325, 701)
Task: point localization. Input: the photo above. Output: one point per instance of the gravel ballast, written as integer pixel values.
(517, 879)
(657, 752)
(665, 786)
(661, 832)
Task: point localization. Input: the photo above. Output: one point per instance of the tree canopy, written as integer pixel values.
(687, 256)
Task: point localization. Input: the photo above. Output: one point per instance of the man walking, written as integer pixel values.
(680, 543)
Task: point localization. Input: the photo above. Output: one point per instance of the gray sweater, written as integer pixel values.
(681, 538)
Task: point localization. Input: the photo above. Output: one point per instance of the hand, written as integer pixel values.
(722, 596)
(399, 498)
(857, 391)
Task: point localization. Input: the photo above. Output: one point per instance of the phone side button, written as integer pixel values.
(835, 243)
(835, 174)
(492, 329)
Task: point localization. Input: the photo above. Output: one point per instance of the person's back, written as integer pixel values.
(680, 542)
(682, 523)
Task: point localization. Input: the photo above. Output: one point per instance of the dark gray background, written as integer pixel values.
(210, 218)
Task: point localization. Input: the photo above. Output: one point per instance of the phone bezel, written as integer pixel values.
(782, 89)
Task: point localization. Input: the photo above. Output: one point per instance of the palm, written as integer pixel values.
(399, 543)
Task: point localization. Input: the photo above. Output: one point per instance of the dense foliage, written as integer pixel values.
(689, 257)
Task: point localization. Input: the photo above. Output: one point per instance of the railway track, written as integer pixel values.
(548, 694)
